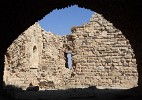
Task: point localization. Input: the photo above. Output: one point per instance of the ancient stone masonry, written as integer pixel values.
(101, 57)
(23, 58)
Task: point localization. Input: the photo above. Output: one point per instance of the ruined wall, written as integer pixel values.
(36, 57)
(23, 58)
(53, 61)
(101, 56)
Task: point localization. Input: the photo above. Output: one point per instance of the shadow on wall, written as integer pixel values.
(92, 93)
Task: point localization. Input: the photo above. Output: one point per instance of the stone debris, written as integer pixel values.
(101, 57)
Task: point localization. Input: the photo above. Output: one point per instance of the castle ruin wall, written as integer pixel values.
(101, 56)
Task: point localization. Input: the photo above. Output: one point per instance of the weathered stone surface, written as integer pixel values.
(101, 56)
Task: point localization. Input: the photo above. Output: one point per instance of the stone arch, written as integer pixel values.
(116, 11)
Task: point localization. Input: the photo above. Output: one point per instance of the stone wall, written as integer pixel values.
(101, 57)
(23, 58)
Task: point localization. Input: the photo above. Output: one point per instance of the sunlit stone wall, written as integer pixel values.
(101, 56)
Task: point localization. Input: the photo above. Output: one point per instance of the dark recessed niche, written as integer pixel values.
(34, 49)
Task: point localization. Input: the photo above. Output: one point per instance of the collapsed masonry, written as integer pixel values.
(101, 57)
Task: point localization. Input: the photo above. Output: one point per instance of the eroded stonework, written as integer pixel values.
(101, 57)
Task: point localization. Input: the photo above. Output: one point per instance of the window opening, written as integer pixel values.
(68, 58)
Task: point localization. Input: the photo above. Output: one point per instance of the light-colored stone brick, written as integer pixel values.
(101, 56)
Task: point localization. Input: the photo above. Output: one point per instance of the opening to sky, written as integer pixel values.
(69, 57)
(61, 21)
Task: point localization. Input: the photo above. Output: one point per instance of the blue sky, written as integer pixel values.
(60, 21)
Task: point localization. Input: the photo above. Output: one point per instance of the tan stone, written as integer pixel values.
(101, 56)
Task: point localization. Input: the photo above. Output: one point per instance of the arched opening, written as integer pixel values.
(94, 49)
(127, 29)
